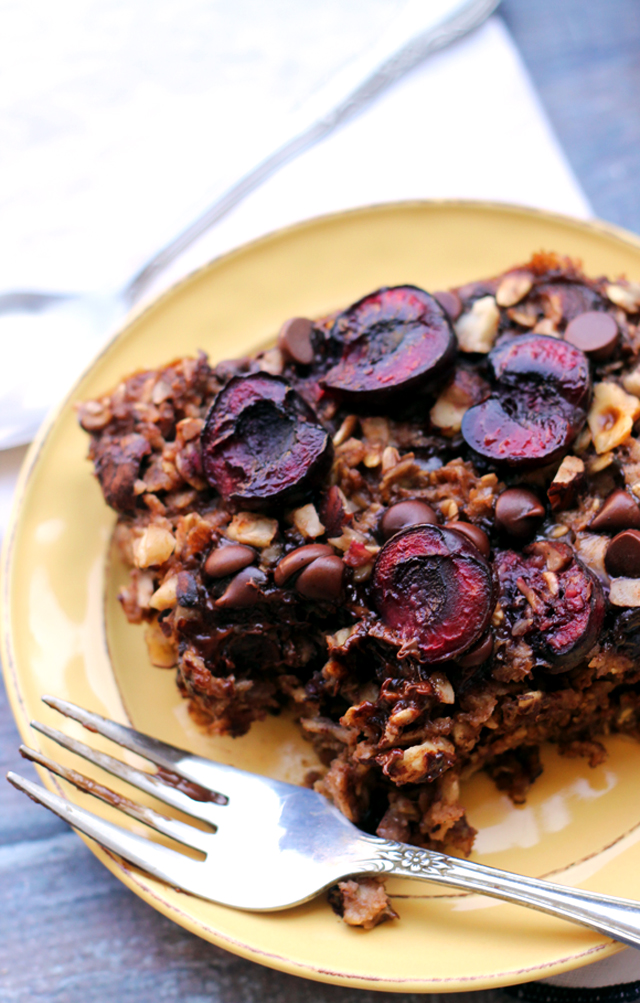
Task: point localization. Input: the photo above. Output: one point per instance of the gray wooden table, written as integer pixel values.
(69, 931)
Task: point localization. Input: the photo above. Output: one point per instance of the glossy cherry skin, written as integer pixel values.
(393, 339)
(262, 443)
(538, 407)
(561, 624)
(434, 593)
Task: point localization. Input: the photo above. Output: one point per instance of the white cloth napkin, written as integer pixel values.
(121, 120)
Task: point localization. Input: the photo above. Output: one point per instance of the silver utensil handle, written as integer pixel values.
(397, 66)
(614, 917)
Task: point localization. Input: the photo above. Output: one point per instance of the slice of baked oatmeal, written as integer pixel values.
(414, 523)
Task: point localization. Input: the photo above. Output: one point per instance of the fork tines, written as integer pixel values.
(179, 782)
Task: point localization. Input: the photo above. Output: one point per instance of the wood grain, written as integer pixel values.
(69, 931)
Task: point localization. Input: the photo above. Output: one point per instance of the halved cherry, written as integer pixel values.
(559, 612)
(520, 429)
(393, 339)
(538, 406)
(537, 360)
(262, 443)
(434, 591)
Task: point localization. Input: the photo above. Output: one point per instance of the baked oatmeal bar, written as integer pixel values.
(414, 523)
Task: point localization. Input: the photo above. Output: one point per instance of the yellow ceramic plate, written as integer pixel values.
(581, 825)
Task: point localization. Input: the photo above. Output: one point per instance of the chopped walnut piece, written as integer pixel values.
(162, 651)
(546, 326)
(346, 430)
(631, 381)
(166, 596)
(252, 529)
(415, 764)
(154, 547)
(513, 288)
(563, 490)
(390, 458)
(477, 329)
(462, 391)
(307, 522)
(626, 296)
(189, 428)
(94, 415)
(611, 416)
(525, 314)
(591, 548)
(625, 592)
(271, 361)
(598, 463)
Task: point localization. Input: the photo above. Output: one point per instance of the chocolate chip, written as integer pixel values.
(404, 514)
(518, 512)
(225, 561)
(243, 590)
(478, 653)
(622, 557)
(477, 536)
(594, 332)
(294, 340)
(299, 558)
(450, 303)
(618, 512)
(322, 579)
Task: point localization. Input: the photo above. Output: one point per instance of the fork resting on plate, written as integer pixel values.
(270, 845)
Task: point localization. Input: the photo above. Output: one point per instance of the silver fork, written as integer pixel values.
(271, 845)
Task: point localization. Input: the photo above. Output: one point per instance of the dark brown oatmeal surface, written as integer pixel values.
(297, 609)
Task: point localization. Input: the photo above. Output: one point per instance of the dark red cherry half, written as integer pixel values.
(559, 614)
(393, 339)
(434, 592)
(538, 407)
(262, 443)
(537, 360)
(524, 429)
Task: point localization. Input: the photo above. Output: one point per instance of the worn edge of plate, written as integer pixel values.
(137, 881)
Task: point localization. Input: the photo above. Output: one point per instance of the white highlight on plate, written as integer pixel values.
(525, 827)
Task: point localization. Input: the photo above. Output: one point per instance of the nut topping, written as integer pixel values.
(477, 329)
(563, 490)
(611, 416)
(513, 288)
(626, 296)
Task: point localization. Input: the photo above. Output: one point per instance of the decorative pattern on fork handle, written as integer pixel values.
(397, 857)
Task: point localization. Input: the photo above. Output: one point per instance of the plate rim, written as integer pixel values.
(137, 881)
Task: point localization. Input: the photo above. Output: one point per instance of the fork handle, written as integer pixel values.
(615, 917)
